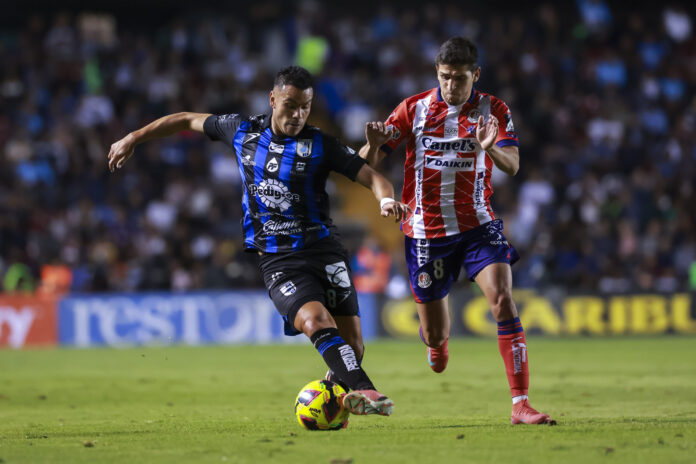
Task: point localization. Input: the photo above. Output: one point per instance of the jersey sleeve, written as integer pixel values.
(222, 127)
(401, 126)
(506, 129)
(342, 158)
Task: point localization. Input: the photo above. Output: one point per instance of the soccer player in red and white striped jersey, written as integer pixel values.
(454, 136)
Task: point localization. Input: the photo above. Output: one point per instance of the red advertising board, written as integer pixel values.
(27, 321)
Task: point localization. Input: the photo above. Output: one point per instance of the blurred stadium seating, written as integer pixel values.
(603, 103)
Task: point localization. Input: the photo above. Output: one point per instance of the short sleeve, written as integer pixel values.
(401, 127)
(506, 129)
(342, 158)
(222, 127)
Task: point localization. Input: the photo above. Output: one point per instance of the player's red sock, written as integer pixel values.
(513, 349)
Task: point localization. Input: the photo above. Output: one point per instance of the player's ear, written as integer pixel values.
(271, 99)
(477, 73)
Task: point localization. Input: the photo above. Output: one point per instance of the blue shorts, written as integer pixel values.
(434, 264)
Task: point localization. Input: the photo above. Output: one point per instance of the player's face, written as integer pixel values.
(456, 82)
(291, 107)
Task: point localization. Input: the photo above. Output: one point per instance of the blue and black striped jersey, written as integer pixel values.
(286, 207)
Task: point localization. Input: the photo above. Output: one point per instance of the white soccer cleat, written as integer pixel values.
(364, 402)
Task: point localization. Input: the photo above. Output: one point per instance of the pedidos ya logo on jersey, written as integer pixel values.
(274, 194)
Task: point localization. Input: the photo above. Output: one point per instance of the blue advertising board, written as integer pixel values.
(181, 318)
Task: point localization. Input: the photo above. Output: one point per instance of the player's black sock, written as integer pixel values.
(331, 375)
(340, 358)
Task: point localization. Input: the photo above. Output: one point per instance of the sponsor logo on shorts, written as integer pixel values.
(497, 238)
(300, 167)
(424, 280)
(304, 148)
(276, 275)
(288, 288)
(337, 273)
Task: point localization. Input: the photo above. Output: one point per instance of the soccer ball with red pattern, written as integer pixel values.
(318, 406)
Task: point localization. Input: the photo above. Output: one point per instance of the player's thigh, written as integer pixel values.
(290, 288)
(433, 265)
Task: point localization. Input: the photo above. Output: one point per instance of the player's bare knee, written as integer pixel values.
(503, 306)
(310, 322)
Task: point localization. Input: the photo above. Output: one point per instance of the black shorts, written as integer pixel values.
(320, 272)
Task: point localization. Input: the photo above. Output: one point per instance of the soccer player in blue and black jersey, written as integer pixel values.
(284, 164)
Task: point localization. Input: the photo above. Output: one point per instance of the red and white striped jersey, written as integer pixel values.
(447, 175)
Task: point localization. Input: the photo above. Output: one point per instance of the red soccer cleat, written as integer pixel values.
(437, 357)
(523, 413)
(363, 402)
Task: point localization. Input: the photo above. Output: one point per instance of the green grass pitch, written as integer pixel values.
(616, 400)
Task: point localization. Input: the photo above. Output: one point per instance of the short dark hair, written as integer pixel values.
(294, 75)
(458, 51)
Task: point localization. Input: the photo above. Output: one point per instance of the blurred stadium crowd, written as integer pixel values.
(603, 103)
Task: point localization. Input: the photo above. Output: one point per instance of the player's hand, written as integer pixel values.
(377, 133)
(488, 132)
(121, 152)
(396, 208)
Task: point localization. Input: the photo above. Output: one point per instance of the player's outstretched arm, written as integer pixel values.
(384, 192)
(507, 159)
(377, 134)
(122, 150)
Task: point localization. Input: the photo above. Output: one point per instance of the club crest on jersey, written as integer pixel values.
(304, 148)
(272, 165)
(424, 280)
(395, 132)
(337, 273)
(276, 148)
(473, 115)
(509, 126)
(288, 288)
